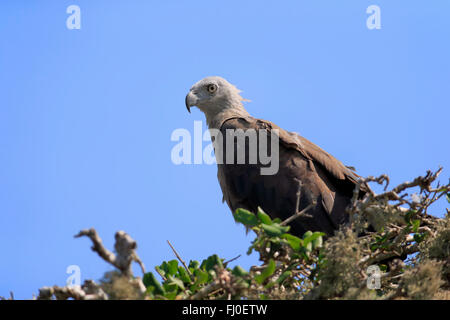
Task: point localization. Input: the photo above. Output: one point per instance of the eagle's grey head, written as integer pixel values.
(213, 95)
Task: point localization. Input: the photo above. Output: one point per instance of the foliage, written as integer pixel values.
(391, 232)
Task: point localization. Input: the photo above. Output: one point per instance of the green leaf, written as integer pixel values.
(172, 267)
(201, 276)
(448, 197)
(245, 217)
(274, 230)
(310, 237)
(175, 281)
(184, 275)
(267, 272)
(212, 274)
(264, 217)
(210, 262)
(317, 243)
(284, 276)
(160, 271)
(171, 295)
(308, 247)
(415, 225)
(307, 234)
(239, 271)
(294, 242)
(152, 283)
(164, 267)
(193, 264)
(170, 288)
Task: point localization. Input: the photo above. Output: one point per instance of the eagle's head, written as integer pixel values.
(212, 95)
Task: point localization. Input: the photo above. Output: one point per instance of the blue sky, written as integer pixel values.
(86, 115)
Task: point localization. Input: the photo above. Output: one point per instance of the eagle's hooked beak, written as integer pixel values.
(188, 106)
(191, 100)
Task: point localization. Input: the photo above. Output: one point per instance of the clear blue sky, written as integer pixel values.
(86, 115)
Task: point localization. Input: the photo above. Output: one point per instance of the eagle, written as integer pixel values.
(308, 179)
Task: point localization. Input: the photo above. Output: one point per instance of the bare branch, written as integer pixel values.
(299, 214)
(125, 248)
(233, 259)
(89, 291)
(179, 258)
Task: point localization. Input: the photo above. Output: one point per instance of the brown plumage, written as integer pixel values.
(324, 181)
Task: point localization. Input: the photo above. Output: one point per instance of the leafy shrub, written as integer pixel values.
(391, 233)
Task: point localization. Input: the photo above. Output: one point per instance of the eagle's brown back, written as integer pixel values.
(323, 179)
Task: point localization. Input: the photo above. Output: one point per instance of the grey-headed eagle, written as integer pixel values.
(306, 175)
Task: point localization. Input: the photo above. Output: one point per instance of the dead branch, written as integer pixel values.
(89, 291)
(125, 248)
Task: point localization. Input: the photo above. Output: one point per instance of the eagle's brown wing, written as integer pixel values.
(323, 179)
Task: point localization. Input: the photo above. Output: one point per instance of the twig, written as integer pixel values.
(369, 260)
(299, 214)
(227, 262)
(423, 182)
(179, 258)
(213, 286)
(298, 194)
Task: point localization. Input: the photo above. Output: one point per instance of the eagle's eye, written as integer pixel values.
(211, 88)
